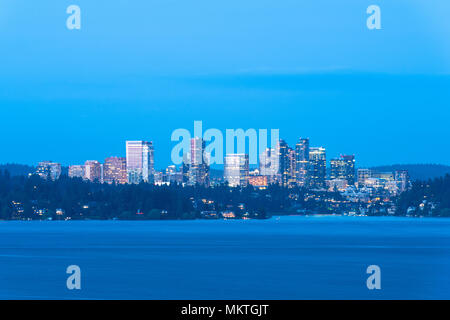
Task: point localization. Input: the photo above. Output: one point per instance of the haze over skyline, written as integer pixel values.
(140, 71)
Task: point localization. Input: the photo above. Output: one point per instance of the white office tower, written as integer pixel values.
(236, 169)
(140, 161)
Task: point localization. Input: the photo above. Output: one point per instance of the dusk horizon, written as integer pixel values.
(387, 115)
(225, 159)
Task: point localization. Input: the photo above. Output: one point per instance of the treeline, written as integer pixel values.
(36, 198)
(16, 169)
(421, 172)
(426, 198)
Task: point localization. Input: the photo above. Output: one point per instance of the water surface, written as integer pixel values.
(280, 258)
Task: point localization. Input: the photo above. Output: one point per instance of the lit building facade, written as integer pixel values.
(343, 168)
(93, 171)
(76, 171)
(236, 170)
(49, 170)
(292, 178)
(139, 161)
(317, 168)
(198, 168)
(302, 160)
(285, 162)
(258, 181)
(115, 170)
(363, 175)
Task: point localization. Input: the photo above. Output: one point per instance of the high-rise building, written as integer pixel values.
(363, 175)
(269, 164)
(302, 160)
(284, 152)
(140, 161)
(236, 170)
(343, 168)
(292, 178)
(76, 171)
(49, 170)
(317, 168)
(93, 171)
(199, 167)
(350, 172)
(115, 170)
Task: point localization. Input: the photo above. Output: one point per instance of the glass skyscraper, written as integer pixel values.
(302, 160)
(236, 170)
(284, 161)
(199, 167)
(343, 168)
(140, 161)
(317, 168)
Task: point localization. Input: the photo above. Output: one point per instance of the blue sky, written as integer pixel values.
(141, 69)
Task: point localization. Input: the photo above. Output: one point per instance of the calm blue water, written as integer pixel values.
(286, 258)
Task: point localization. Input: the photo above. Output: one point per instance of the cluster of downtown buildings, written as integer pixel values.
(300, 166)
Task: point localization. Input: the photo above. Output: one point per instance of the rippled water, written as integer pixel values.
(280, 258)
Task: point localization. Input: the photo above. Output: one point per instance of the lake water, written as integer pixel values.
(280, 258)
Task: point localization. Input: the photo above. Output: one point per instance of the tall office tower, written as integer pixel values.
(199, 168)
(350, 172)
(93, 171)
(292, 179)
(317, 168)
(363, 175)
(115, 170)
(402, 180)
(302, 159)
(236, 170)
(269, 164)
(140, 161)
(49, 170)
(284, 156)
(76, 171)
(343, 168)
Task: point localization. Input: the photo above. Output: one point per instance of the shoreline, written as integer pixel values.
(273, 217)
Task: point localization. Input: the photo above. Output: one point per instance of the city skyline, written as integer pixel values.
(303, 166)
(195, 153)
(229, 158)
(302, 169)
